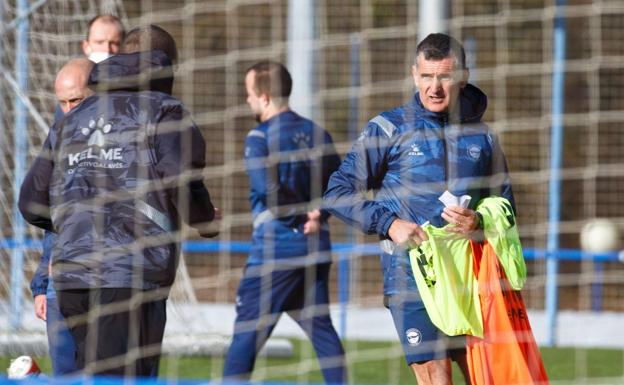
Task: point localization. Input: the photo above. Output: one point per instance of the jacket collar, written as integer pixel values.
(150, 70)
(281, 117)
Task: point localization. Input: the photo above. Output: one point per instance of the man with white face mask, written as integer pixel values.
(104, 37)
(100, 259)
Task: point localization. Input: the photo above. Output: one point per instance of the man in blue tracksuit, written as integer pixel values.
(408, 157)
(61, 346)
(70, 88)
(289, 160)
(118, 175)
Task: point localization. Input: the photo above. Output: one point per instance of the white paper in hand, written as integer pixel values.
(451, 200)
(464, 201)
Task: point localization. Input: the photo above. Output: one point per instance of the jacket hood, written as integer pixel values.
(472, 106)
(140, 71)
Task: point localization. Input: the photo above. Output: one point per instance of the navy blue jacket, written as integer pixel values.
(116, 176)
(408, 157)
(40, 279)
(289, 160)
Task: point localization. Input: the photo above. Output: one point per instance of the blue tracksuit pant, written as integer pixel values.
(263, 295)
(61, 345)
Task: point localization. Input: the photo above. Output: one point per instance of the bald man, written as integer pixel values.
(104, 36)
(70, 86)
(70, 89)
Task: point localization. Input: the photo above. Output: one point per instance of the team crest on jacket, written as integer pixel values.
(474, 151)
(414, 336)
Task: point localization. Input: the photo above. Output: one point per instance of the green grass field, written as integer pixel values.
(382, 363)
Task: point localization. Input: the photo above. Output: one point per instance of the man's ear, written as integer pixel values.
(86, 49)
(415, 74)
(464, 77)
(266, 99)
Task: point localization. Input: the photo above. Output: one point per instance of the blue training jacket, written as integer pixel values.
(404, 160)
(289, 160)
(40, 279)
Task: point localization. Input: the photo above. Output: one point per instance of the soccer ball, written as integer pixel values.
(23, 367)
(600, 236)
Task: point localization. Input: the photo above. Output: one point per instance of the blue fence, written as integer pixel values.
(347, 251)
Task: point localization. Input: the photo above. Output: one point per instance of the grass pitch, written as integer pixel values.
(382, 363)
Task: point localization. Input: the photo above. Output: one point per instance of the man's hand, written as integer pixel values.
(406, 234)
(463, 221)
(40, 306)
(217, 214)
(313, 224)
(211, 230)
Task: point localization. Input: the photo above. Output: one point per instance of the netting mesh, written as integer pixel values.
(363, 52)
(55, 32)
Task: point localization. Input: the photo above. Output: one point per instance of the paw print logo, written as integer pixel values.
(415, 151)
(301, 139)
(96, 131)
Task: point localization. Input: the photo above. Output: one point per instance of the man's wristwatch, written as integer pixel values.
(479, 220)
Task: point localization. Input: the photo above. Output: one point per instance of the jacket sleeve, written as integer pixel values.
(500, 184)
(348, 191)
(34, 199)
(39, 282)
(262, 181)
(330, 164)
(180, 152)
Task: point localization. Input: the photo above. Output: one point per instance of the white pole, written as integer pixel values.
(20, 149)
(3, 131)
(433, 15)
(301, 55)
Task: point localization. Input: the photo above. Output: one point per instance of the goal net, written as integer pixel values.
(362, 52)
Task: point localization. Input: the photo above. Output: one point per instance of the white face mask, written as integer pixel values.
(97, 57)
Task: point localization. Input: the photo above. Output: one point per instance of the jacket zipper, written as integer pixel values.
(446, 160)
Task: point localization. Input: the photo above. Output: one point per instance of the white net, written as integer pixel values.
(55, 31)
(363, 51)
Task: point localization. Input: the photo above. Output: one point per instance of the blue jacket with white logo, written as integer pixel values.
(116, 176)
(289, 160)
(404, 160)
